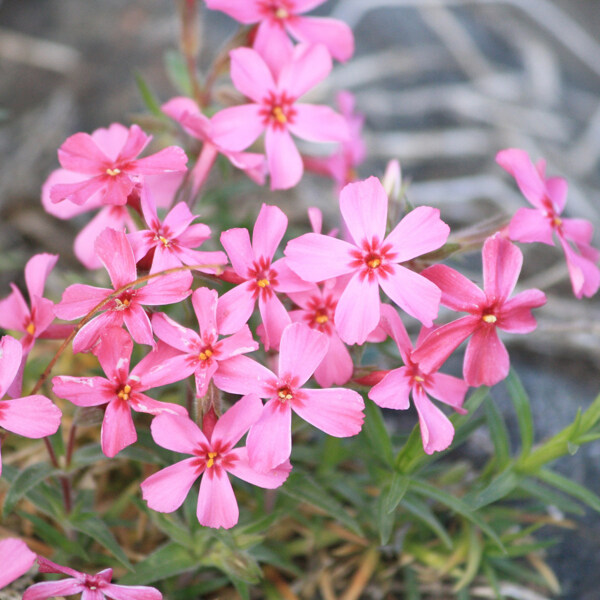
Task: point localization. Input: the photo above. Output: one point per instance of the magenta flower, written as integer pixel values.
(394, 389)
(212, 457)
(16, 559)
(112, 174)
(31, 416)
(262, 278)
(201, 354)
(91, 587)
(372, 259)
(336, 411)
(121, 391)
(116, 254)
(486, 359)
(187, 113)
(171, 241)
(275, 17)
(548, 196)
(274, 108)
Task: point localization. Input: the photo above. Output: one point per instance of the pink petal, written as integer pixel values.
(392, 324)
(78, 300)
(283, 158)
(275, 319)
(437, 431)
(393, 390)
(135, 142)
(65, 209)
(245, 12)
(236, 421)
(269, 441)
(174, 334)
(447, 389)
(11, 354)
(84, 391)
(578, 231)
(269, 228)
(118, 430)
(31, 416)
(14, 312)
(114, 353)
(557, 188)
(81, 192)
(502, 263)
(302, 350)
(203, 375)
(364, 209)
(516, 316)
(270, 480)
(88, 335)
(239, 249)
(273, 44)
(37, 270)
(310, 65)
(458, 292)
(302, 6)
(116, 255)
(217, 506)
(157, 368)
(235, 307)
(16, 559)
(138, 324)
(531, 225)
(250, 74)
(253, 164)
(317, 123)
(131, 592)
(177, 433)
(166, 490)
(239, 343)
(287, 281)
(117, 189)
(166, 289)
(204, 302)
(486, 358)
(81, 154)
(171, 159)
(337, 366)
(336, 411)
(358, 309)
(47, 566)
(52, 589)
(242, 375)
(150, 406)
(519, 165)
(335, 34)
(419, 232)
(584, 274)
(237, 127)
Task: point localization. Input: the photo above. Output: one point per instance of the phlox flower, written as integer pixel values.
(213, 457)
(32, 416)
(262, 278)
(121, 390)
(336, 411)
(276, 17)
(91, 587)
(114, 250)
(486, 359)
(538, 224)
(187, 113)
(16, 559)
(372, 260)
(397, 385)
(274, 108)
(201, 353)
(171, 241)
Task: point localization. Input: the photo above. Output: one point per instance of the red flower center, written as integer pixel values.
(373, 259)
(276, 9)
(278, 110)
(124, 300)
(264, 278)
(285, 393)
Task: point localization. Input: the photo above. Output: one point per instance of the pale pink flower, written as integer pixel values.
(548, 196)
(32, 416)
(91, 587)
(116, 254)
(172, 240)
(372, 260)
(394, 389)
(16, 559)
(275, 17)
(201, 353)
(187, 113)
(262, 278)
(213, 456)
(336, 411)
(121, 391)
(274, 108)
(486, 359)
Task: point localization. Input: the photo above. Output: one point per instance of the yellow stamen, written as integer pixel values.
(207, 353)
(557, 221)
(279, 115)
(489, 318)
(320, 319)
(121, 304)
(211, 459)
(124, 393)
(164, 240)
(285, 394)
(113, 172)
(30, 328)
(281, 13)
(373, 263)
(419, 379)
(263, 283)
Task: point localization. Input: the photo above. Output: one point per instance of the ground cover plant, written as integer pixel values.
(273, 472)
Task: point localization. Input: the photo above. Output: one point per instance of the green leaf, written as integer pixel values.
(376, 432)
(520, 401)
(398, 487)
(177, 72)
(53, 537)
(169, 560)
(498, 488)
(424, 513)
(498, 433)
(148, 97)
(570, 487)
(549, 497)
(25, 480)
(385, 520)
(99, 531)
(474, 555)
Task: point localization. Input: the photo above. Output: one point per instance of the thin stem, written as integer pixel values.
(189, 43)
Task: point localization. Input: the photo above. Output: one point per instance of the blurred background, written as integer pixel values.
(444, 85)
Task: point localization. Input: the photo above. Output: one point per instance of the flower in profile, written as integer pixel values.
(16, 559)
(121, 391)
(486, 359)
(91, 587)
(538, 224)
(274, 108)
(372, 260)
(213, 456)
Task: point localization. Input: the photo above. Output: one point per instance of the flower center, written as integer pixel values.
(113, 172)
(281, 13)
(30, 328)
(124, 392)
(321, 317)
(556, 221)
(211, 459)
(278, 114)
(278, 110)
(373, 260)
(124, 301)
(205, 354)
(489, 318)
(285, 393)
(419, 379)
(263, 283)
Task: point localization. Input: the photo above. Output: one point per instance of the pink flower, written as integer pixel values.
(274, 108)
(372, 259)
(187, 113)
(261, 277)
(31, 416)
(212, 457)
(91, 587)
(336, 411)
(171, 241)
(394, 389)
(548, 196)
(122, 390)
(277, 16)
(112, 174)
(116, 254)
(16, 559)
(201, 354)
(486, 359)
